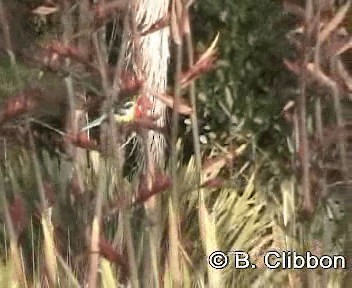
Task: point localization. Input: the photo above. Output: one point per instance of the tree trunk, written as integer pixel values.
(149, 56)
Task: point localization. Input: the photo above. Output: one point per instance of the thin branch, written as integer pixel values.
(96, 227)
(339, 120)
(302, 115)
(174, 201)
(192, 93)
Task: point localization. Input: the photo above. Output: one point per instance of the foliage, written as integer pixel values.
(250, 85)
(73, 213)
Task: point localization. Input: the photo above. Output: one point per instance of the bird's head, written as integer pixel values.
(126, 113)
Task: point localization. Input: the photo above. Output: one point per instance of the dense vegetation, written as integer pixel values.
(267, 170)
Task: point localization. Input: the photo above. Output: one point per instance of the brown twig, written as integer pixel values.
(308, 206)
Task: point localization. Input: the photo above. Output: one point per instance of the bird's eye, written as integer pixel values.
(128, 105)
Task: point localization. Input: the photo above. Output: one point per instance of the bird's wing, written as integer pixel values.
(95, 123)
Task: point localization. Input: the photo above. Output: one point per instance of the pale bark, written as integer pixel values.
(149, 57)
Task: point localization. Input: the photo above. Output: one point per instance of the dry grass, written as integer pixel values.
(74, 219)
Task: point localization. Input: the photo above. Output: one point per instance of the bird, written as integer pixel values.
(136, 109)
(124, 114)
